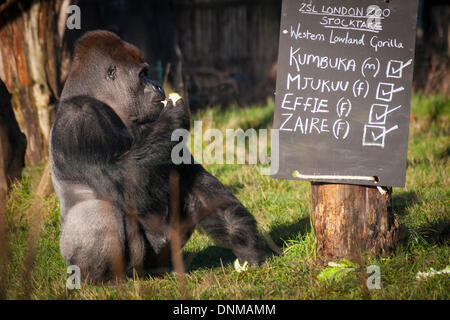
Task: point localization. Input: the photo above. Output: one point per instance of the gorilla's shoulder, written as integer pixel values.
(86, 108)
(85, 125)
(80, 103)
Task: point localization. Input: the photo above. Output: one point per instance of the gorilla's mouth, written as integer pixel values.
(162, 101)
(154, 89)
(158, 99)
(161, 98)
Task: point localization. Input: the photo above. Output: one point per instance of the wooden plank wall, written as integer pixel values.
(228, 43)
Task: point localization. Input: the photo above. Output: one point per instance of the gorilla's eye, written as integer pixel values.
(144, 73)
(112, 73)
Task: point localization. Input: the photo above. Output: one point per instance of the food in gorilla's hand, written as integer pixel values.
(174, 97)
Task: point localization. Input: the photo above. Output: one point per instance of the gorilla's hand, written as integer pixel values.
(156, 145)
(176, 112)
(174, 97)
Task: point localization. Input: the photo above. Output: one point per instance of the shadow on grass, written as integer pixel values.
(284, 232)
(235, 187)
(401, 201)
(434, 233)
(211, 257)
(215, 256)
(445, 154)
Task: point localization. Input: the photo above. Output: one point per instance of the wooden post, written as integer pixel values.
(351, 219)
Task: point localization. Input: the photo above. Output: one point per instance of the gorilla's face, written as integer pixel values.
(150, 91)
(114, 72)
(134, 95)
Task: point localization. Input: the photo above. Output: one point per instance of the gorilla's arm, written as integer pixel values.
(87, 140)
(86, 134)
(155, 147)
(91, 145)
(207, 202)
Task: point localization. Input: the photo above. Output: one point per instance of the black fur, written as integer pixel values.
(111, 159)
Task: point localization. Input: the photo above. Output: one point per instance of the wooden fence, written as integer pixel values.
(229, 49)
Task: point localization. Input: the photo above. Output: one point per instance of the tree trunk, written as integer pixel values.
(30, 56)
(350, 220)
(3, 248)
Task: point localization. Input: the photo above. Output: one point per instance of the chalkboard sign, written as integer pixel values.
(343, 92)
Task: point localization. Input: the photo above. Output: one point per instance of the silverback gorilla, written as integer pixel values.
(110, 151)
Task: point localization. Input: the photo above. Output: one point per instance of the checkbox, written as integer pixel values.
(374, 136)
(386, 90)
(378, 114)
(394, 69)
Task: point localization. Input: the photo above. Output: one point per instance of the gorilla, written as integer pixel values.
(110, 155)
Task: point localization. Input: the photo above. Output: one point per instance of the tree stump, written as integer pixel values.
(350, 220)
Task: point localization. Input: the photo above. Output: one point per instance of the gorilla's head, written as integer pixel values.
(114, 72)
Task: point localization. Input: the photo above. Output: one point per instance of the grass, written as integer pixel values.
(282, 210)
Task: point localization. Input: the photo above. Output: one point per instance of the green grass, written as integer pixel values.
(282, 210)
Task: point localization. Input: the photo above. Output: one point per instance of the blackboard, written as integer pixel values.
(343, 94)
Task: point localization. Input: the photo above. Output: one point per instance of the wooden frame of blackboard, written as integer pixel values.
(377, 138)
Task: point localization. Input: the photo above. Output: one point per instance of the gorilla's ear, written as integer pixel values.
(111, 73)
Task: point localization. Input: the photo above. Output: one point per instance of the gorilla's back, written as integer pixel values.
(69, 193)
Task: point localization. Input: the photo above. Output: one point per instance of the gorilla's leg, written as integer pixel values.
(232, 226)
(93, 238)
(155, 230)
(211, 205)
